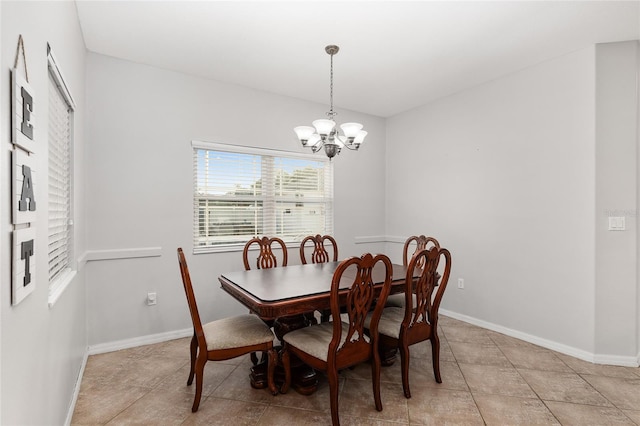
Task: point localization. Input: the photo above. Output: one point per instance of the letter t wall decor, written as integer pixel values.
(24, 178)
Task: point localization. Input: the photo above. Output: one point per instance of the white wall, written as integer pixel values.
(42, 347)
(141, 121)
(503, 175)
(616, 307)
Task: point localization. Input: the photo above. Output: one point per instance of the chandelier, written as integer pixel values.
(325, 133)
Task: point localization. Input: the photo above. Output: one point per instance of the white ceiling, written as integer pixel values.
(394, 55)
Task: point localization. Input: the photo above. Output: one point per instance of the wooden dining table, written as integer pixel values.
(288, 294)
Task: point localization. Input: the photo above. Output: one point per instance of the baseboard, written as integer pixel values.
(76, 389)
(625, 361)
(138, 341)
(629, 361)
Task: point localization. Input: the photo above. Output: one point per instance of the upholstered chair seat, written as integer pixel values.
(232, 332)
(390, 321)
(315, 340)
(397, 300)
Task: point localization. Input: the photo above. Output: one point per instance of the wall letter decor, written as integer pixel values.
(23, 117)
(23, 194)
(24, 260)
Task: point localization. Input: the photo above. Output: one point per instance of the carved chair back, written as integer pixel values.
(320, 253)
(421, 242)
(266, 257)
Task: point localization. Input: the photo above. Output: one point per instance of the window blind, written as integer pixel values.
(59, 190)
(242, 192)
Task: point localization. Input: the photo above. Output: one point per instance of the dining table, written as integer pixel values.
(286, 295)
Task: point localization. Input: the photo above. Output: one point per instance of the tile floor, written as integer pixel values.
(488, 378)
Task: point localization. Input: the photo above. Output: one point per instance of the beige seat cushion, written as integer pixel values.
(390, 321)
(397, 300)
(315, 339)
(234, 332)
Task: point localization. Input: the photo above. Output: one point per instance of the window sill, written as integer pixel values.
(229, 248)
(59, 285)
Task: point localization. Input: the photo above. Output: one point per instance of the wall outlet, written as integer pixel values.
(151, 299)
(461, 283)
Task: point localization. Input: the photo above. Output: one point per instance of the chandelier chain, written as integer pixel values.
(331, 114)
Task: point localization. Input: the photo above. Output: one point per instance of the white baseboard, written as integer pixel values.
(138, 341)
(116, 346)
(76, 390)
(627, 361)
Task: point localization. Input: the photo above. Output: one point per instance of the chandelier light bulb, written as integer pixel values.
(324, 127)
(304, 133)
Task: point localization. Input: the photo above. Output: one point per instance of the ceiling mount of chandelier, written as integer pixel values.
(325, 132)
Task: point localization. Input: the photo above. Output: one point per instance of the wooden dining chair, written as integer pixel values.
(320, 254)
(266, 257)
(223, 339)
(402, 327)
(333, 346)
(420, 242)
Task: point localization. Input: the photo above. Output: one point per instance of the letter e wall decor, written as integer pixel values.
(23, 117)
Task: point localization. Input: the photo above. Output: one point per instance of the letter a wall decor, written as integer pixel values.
(23, 195)
(24, 262)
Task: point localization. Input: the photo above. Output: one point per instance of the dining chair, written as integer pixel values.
(320, 254)
(333, 346)
(402, 327)
(266, 257)
(421, 242)
(223, 339)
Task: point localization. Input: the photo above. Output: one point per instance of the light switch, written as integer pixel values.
(616, 224)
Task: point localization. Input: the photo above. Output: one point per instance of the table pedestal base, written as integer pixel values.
(387, 355)
(304, 379)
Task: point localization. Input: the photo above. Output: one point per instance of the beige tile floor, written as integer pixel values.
(488, 378)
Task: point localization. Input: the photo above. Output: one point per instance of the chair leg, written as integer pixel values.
(200, 362)
(375, 376)
(286, 363)
(194, 351)
(334, 387)
(404, 365)
(254, 358)
(271, 368)
(435, 355)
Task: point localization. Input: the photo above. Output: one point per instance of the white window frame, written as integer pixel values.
(238, 149)
(65, 276)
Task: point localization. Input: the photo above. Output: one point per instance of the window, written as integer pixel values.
(60, 231)
(240, 193)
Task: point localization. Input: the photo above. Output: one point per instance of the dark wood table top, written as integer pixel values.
(295, 289)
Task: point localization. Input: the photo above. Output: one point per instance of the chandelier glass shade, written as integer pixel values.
(325, 133)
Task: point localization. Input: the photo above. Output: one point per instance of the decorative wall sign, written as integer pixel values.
(24, 261)
(23, 193)
(22, 114)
